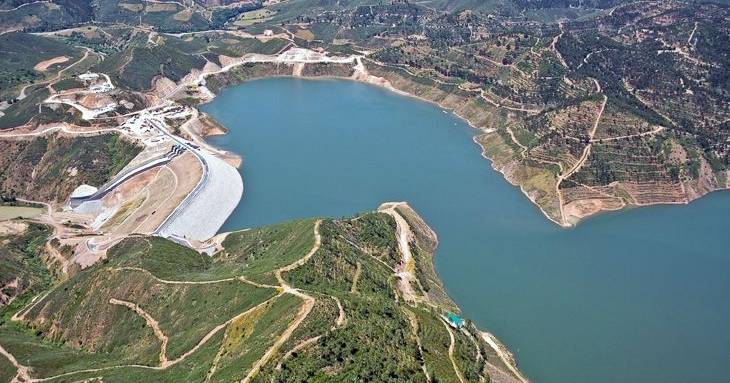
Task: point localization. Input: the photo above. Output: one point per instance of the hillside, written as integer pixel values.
(50, 167)
(170, 16)
(307, 300)
(22, 271)
(585, 106)
(627, 107)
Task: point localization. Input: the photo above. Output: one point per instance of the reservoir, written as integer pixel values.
(641, 295)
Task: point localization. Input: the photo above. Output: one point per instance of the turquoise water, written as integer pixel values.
(635, 296)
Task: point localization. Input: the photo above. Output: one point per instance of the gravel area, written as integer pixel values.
(204, 212)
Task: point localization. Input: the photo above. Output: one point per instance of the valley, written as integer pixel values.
(132, 251)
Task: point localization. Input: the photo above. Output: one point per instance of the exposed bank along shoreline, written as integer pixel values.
(295, 58)
(472, 105)
(509, 373)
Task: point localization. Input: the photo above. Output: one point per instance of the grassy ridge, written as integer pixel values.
(77, 326)
(257, 252)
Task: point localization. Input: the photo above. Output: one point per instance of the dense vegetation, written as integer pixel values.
(34, 16)
(49, 168)
(218, 327)
(22, 270)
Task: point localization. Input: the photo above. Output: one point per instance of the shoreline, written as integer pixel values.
(361, 75)
(505, 356)
(518, 186)
(387, 86)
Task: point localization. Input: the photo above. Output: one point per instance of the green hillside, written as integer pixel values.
(20, 53)
(302, 301)
(22, 271)
(49, 168)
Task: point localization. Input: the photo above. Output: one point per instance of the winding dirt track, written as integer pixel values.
(339, 322)
(555, 50)
(22, 374)
(151, 323)
(413, 321)
(405, 269)
(516, 141)
(169, 282)
(506, 359)
(616, 138)
(23, 371)
(302, 345)
(303, 260)
(171, 363)
(452, 345)
(65, 129)
(587, 150)
(580, 162)
(24, 5)
(303, 311)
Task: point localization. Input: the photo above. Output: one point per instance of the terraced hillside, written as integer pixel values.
(625, 107)
(307, 300)
(586, 106)
(171, 16)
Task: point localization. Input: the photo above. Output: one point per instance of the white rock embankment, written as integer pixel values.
(203, 213)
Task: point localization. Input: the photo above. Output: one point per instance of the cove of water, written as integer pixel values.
(636, 296)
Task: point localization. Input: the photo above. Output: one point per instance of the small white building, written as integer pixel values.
(89, 76)
(83, 191)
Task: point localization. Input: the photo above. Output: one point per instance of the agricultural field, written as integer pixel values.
(11, 212)
(253, 17)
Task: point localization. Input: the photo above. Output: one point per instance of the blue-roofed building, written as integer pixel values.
(454, 320)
